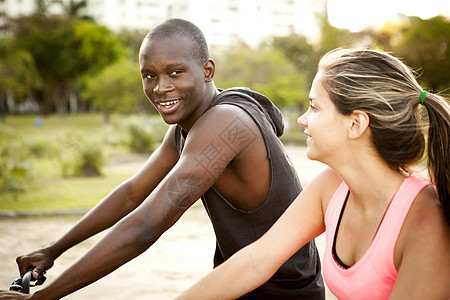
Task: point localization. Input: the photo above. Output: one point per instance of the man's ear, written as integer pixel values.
(359, 123)
(209, 67)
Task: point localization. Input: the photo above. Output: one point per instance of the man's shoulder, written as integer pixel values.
(226, 123)
(253, 103)
(221, 115)
(242, 93)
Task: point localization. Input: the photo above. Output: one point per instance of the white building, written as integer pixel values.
(223, 22)
(251, 21)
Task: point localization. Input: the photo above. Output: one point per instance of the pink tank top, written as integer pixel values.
(373, 276)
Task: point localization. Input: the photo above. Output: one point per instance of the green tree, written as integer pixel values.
(333, 37)
(132, 39)
(425, 46)
(266, 70)
(63, 50)
(302, 54)
(18, 73)
(73, 8)
(41, 6)
(117, 88)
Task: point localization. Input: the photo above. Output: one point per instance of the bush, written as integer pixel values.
(80, 156)
(91, 159)
(15, 167)
(141, 140)
(39, 147)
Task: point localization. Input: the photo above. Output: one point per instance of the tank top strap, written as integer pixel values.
(392, 223)
(401, 204)
(334, 208)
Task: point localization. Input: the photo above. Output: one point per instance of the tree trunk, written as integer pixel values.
(2, 107)
(73, 101)
(107, 117)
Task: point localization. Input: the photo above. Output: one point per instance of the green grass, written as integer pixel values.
(54, 123)
(89, 124)
(62, 194)
(50, 191)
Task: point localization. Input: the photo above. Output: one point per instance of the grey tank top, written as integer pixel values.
(299, 277)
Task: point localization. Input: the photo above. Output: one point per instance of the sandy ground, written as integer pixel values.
(181, 256)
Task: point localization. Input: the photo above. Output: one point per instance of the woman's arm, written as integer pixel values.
(255, 264)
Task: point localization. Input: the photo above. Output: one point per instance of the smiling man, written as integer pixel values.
(222, 147)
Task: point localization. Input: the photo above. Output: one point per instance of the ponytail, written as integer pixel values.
(438, 110)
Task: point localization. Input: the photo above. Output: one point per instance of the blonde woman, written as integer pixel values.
(387, 229)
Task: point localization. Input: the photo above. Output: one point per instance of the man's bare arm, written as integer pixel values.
(187, 181)
(121, 201)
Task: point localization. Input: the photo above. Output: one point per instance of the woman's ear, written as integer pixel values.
(209, 67)
(359, 122)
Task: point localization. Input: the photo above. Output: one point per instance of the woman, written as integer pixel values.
(387, 229)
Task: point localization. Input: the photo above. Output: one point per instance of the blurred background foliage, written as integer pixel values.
(69, 64)
(71, 94)
(60, 162)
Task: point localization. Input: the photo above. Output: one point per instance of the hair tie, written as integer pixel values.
(422, 97)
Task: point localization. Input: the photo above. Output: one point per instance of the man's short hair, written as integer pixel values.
(184, 29)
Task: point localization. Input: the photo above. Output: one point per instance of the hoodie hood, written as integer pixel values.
(236, 94)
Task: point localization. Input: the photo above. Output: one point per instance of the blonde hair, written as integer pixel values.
(386, 89)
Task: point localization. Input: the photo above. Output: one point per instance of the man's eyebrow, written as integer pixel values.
(168, 66)
(176, 65)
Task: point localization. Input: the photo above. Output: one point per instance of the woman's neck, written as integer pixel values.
(370, 179)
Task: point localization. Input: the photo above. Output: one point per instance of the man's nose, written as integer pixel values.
(162, 86)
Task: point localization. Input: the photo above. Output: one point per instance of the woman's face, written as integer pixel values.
(325, 127)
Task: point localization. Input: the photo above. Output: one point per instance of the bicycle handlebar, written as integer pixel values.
(26, 282)
(22, 284)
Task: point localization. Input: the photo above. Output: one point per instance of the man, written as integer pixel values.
(221, 147)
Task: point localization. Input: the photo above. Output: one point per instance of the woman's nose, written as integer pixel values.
(303, 120)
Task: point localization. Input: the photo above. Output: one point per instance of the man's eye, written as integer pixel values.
(149, 76)
(174, 73)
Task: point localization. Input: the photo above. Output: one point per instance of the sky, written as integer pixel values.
(357, 14)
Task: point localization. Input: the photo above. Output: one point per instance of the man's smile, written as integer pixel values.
(168, 106)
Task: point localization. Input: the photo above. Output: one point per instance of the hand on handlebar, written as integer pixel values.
(20, 288)
(23, 283)
(40, 260)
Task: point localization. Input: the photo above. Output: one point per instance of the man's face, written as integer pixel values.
(174, 80)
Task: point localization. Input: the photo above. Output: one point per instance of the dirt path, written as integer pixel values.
(181, 256)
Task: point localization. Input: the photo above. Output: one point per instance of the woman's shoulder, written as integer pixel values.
(425, 225)
(426, 212)
(422, 249)
(327, 181)
(426, 209)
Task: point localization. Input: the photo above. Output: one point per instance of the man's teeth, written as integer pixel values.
(168, 103)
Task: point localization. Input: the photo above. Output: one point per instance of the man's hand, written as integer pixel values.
(40, 259)
(9, 295)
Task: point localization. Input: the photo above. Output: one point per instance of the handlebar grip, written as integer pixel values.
(23, 284)
(26, 282)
